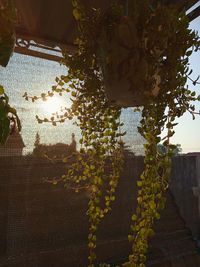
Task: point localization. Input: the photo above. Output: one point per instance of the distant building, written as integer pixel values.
(59, 150)
(193, 154)
(13, 146)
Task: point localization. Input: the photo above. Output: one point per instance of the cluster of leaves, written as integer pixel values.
(8, 115)
(153, 182)
(7, 31)
(156, 64)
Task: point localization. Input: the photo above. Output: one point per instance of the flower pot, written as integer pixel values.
(129, 80)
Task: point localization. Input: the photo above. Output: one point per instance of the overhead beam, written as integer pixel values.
(34, 53)
(41, 48)
(194, 13)
(189, 4)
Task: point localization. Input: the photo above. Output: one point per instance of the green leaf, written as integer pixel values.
(74, 94)
(189, 53)
(1, 90)
(139, 183)
(4, 130)
(134, 217)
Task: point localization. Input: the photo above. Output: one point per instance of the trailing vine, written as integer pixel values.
(173, 100)
(100, 160)
(99, 163)
(152, 185)
(149, 46)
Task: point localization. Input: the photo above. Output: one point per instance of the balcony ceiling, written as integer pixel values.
(50, 23)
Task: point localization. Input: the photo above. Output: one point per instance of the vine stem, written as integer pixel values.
(194, 81)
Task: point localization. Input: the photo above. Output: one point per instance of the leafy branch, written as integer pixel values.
(8, 117)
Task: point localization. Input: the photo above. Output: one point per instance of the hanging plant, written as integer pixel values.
(133, 55)
(98, 164)
(140, 48)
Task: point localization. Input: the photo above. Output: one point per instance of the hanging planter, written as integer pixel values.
(122, 59)
(138, 47)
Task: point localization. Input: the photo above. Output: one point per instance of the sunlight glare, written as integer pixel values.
(53, 105)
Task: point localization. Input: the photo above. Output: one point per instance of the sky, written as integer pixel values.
(35, 76)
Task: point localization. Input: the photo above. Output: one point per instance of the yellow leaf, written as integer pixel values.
(77, 14)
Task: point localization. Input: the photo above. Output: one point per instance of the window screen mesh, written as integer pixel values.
(43, 224)
(35, 76)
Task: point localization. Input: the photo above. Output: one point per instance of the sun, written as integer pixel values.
(54, 104)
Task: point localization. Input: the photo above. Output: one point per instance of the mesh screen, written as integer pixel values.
(41, 224)
(35, 76)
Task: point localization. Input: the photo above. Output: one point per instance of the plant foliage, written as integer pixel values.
(8, 115)
(7, 31)
(7, 41)
(149, 46)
